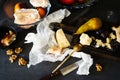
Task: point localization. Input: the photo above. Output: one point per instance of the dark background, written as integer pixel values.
(9, 71)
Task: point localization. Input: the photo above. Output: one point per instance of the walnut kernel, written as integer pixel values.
(18, 50)
(98, 67)
(12, 58)
(9, 52)
(22, 62)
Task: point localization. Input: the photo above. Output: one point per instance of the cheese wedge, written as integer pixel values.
(61, 39)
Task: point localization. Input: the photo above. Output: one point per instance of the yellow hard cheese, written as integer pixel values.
(61, 39)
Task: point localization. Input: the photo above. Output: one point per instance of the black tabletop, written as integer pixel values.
(9, 71)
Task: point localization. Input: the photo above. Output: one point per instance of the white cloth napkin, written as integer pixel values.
(44, 39)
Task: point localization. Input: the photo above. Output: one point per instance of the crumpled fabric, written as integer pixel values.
(85, 64)
(44, 39)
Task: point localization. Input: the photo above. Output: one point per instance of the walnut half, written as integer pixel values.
(22, 62)
(9, 52)
(98, 67)
(13, 58)
(9, 38)
(18, 50)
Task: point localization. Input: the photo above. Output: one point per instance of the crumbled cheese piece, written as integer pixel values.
(108, 45)
(99, 43)
(85, 39)
(108, 40)
(112, 36)
(98, 67)
(117, 30)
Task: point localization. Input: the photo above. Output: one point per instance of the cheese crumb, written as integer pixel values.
(112, 36)
(99, 43)
(117, 31)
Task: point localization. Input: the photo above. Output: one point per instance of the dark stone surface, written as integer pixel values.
(9, 71)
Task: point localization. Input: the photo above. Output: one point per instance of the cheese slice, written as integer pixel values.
(61, 39)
